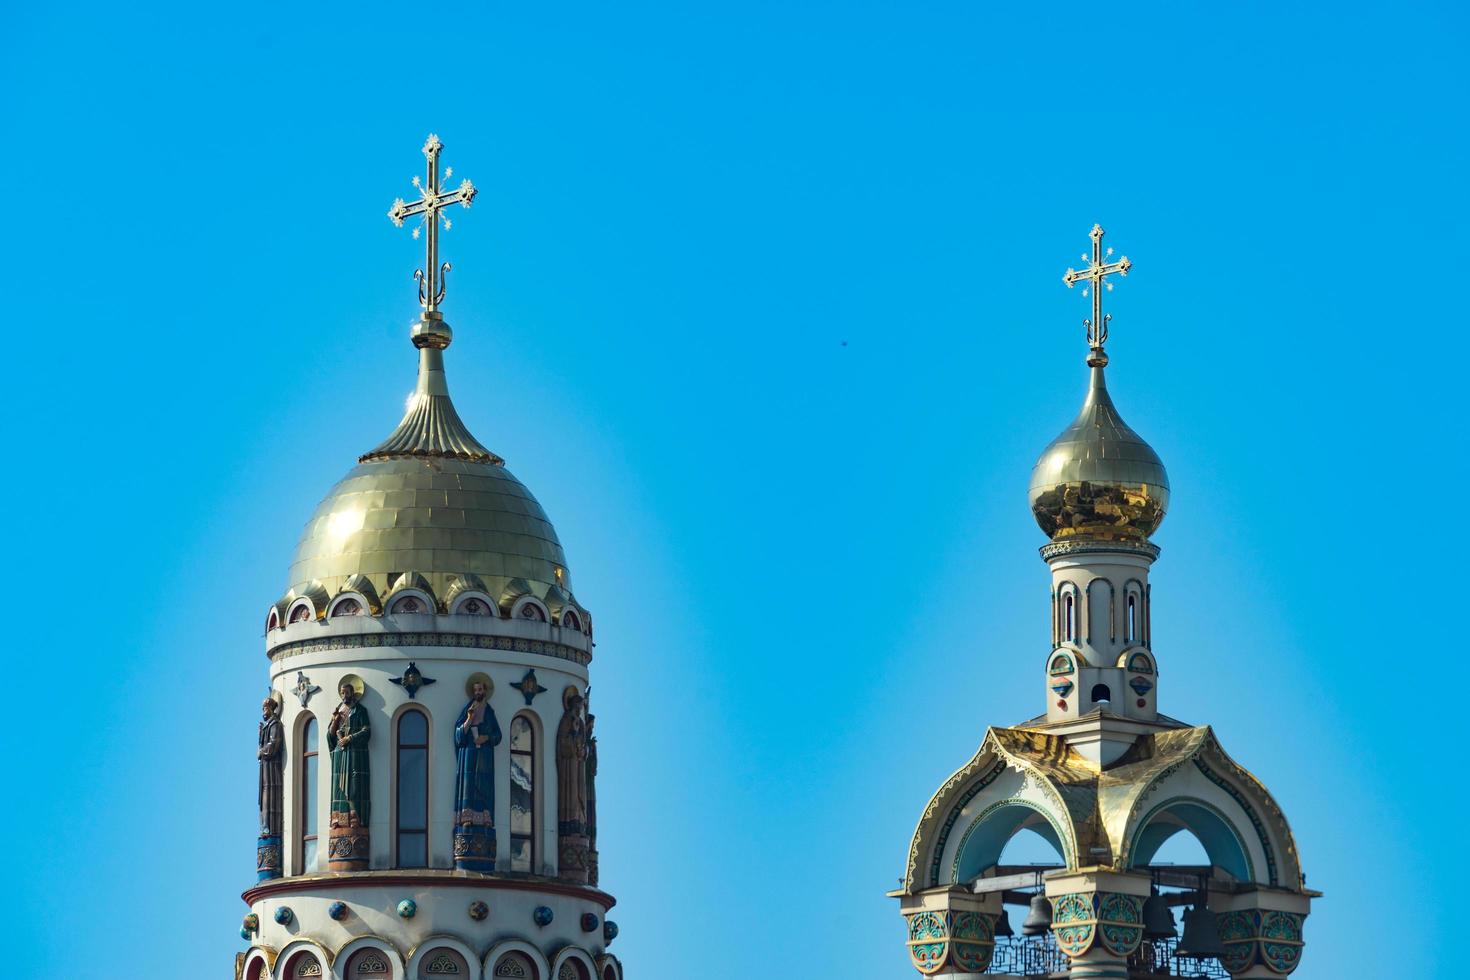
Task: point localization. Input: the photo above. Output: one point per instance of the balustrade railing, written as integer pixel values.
(1038, 956)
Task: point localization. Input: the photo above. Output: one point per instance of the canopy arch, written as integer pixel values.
(1215, 831)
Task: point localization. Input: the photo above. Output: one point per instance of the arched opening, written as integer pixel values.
(409, 604)
(310, 760)
(256, 970)
(517, 966)
(572, 969)
(367, 964)
(1069, 618)
(989, 836)
(1101, 694)
(522, 794)
(301, 613)
(1132, 632)
(608, 973)
(443, 962)
(303, 965)
(347, 606)
(1197, 823)
(473, 607)
(412, 790)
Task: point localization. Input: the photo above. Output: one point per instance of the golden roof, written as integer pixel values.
(1099, 479)
(430, 500)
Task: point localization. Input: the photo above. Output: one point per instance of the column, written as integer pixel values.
(1097, 919)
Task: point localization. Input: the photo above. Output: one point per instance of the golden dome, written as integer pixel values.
(1099, 479)
(430, 500)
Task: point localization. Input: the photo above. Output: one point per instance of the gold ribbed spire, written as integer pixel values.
(431, 428)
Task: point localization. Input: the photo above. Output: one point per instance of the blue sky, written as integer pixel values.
(764, 303)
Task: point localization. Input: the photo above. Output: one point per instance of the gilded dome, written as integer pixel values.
(1099, 479)
(431, 500)
(443, 518)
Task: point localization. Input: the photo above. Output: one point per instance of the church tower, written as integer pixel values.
(1102, 775)
(427, 756)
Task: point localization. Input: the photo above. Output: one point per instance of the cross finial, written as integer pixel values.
(1096, 275)
(432, 201)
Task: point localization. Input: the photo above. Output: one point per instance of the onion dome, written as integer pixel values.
(430, 500)
(1099, 479)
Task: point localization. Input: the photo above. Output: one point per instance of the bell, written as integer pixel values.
(1158, 920)
(1003, 924)
(1038, 920)
(1201, 939)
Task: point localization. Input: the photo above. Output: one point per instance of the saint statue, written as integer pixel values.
(571, 766)
(270, 742)
(571, 789)
(591, 797)
(347, 737)
(476, 734)
(270, 746)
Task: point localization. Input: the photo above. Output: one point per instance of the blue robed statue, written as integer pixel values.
(476, 734)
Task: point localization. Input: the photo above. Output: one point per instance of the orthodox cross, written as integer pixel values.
(431, 204)
(1095, 275)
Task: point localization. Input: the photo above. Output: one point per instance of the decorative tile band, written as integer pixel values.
(477, 641)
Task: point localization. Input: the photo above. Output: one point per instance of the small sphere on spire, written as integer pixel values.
(430, 330)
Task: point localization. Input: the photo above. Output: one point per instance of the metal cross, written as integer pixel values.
(1095, 274)
(431, 204)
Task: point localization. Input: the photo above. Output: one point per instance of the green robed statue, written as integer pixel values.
(347, 737)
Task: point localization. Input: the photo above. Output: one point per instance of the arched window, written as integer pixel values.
(409, 604)
(1069, 618)
(1101, 694)
(347, 607)
(301, 613)
(413, 789)
(571, 970)
(309, 775)
(1132, 618)
(571, 620)
(473, 607)
(530, 610)
(516, 965)
(522, 795)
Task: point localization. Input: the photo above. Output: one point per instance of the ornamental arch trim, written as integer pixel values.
(265, 956)
(295, 951)
(484, 605)
(528, 950)
(422, 956)
(569, 955)
(352, 947)
(609, 967)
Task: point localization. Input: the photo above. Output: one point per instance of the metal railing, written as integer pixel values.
(1038, 956)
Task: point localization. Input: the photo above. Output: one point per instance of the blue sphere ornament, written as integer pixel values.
(408, 908)
(337, 910)
(479, 910)
(589, 922)
(543, 916)
(283, 915)
(244, 933)
(609, 931)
